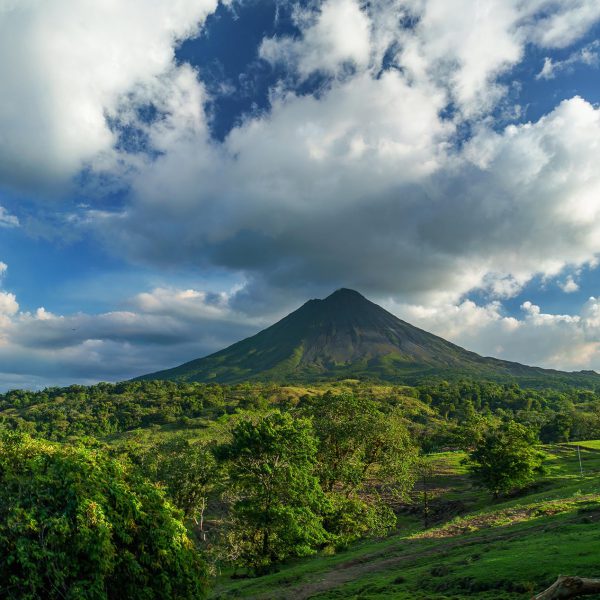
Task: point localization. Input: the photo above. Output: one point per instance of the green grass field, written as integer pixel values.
(590, 444)
(507, 549)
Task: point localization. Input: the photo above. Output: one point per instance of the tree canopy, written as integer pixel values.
(276, 498)
(505, 457)
(77, 525)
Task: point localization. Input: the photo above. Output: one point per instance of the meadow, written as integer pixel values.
(504, 550)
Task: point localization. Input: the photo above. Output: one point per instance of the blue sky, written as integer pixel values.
(169, 191)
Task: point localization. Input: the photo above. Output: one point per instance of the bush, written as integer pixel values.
(75, 524)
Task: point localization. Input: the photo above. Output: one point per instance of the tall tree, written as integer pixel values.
(276, 498)
(189, 472)
(360, 444)
(363, 453)
(505, 457)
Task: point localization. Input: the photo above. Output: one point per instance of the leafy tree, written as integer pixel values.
(359, 443)
(276, 498)
(471, 432)
(77, 525)
(347, 519)
(558, 429)
(505, 457)
(363, 452)
(188, 470)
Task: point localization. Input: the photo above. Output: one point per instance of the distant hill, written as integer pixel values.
(347, 336)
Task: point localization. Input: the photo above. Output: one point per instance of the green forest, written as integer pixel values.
(154, 489)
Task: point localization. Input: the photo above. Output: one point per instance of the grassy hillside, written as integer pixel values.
(500, 551)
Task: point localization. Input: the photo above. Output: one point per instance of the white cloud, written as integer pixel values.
(292, 193)
(460, 46)
(71, 63)
(192, 305)
(566, 342)
(466, 46)
(7, 220)
(569, 285)
(164, 327)
(563, 22)
(8, 304)
(339, 34)
(588, 55)
(8, 301)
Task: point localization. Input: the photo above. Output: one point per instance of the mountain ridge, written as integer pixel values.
(345, 335)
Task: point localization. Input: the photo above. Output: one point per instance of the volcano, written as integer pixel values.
(347, 336)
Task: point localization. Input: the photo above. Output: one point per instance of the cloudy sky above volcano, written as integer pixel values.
(177, 174)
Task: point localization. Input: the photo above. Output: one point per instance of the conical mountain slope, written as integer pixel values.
(346, 335)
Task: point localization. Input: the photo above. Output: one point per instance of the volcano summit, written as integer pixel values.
(347, 336)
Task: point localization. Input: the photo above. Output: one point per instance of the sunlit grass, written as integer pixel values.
(502, 550)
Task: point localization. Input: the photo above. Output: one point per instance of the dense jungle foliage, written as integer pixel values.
(150, 488)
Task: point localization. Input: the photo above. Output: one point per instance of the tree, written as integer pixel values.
(558, 429)
(76, 524)
(471, 432)
(276, 498)
(358, 444)
(505, 457)
(363, 452)
(425, 472)
(188, 470)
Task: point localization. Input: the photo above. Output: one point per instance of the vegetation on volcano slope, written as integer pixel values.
(347, 336)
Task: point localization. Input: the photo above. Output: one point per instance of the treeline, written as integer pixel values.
(104, 409)
(556, 415)
(433, 407)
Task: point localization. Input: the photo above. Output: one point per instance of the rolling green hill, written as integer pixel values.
(345, 335)
(506, 550)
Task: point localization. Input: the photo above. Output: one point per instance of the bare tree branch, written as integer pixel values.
(570, 587)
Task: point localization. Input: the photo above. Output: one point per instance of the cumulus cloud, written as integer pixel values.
(566, 342)
(563, 23)
(569, 285)
(8, 301)
(72, 63)
(298, 188)
(461, 47)
(163, 327)
(337, 36)
(465, 47)
(588, 55)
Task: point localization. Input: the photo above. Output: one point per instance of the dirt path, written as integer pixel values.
(351, 570)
